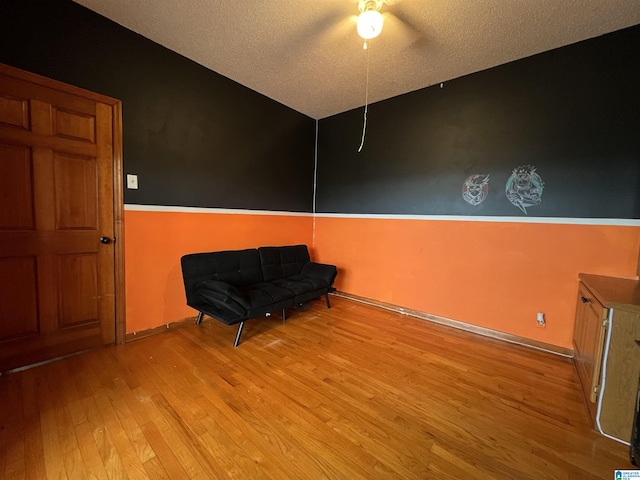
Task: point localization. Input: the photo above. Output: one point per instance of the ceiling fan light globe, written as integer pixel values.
(369, 24)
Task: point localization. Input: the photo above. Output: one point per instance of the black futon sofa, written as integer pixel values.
(236, 285)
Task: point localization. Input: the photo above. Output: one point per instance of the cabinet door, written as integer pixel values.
(588, 339)
(622, 371)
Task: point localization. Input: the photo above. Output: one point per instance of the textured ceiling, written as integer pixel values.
(307, 55)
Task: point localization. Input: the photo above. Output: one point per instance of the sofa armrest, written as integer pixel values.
(223, 294)
(320, 270)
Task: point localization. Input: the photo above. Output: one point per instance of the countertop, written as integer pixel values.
(613, 291)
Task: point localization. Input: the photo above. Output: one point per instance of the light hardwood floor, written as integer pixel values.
(354, 392)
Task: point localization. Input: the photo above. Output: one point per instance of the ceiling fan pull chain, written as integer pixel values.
(366, 103)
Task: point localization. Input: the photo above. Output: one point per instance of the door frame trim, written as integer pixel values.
(118, 192)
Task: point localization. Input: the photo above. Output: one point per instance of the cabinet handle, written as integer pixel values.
(584, 299)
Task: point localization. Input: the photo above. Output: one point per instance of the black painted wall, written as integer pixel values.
(573, 113)
(194, 137)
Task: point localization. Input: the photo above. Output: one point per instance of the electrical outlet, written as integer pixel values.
(540, 319)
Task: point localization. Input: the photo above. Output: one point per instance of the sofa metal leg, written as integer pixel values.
(326, 295)
(199, 319)
(284, 316)
(235, 344)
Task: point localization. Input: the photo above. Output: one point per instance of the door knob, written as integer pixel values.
(584, 300)
(105, 240)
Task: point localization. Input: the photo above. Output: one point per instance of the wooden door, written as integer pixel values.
(57, 293)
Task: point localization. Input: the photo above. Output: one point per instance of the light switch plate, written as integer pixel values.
(132, 181)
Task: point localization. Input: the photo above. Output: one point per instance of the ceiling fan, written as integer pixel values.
(370, 21)
(338, 21)
(369, 25)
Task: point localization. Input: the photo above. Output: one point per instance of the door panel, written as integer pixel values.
(76, 192)
(56, 201)
(74, 125)
(18, 297)
(78, 299)
(14, 111)
(16, 181)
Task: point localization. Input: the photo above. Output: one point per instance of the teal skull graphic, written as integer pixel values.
(524, 187)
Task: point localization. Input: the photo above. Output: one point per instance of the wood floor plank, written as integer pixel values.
(111, 461)
(34, 451)
(267, 450)
(248, 430)
(74, 465)
(284, 400)
(89, 452)
(117, 436)
(12, 431)
(189, 439)
(155, 470)
(129, 422)
(3, 461)
(164, 453)
(16, 464)
(139, 401)
(352, 392)
(306, 438)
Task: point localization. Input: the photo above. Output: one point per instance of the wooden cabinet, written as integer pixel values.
(606, 342)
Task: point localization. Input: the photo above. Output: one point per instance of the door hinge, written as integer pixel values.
(596, 389)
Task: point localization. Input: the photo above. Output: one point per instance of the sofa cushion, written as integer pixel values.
(237, 267)
(262, 294)
(219, 299)
(282, 262)
(215, 289)
(299, 284)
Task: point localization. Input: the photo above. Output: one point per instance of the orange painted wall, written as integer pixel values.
(495, 275)
(155, 241)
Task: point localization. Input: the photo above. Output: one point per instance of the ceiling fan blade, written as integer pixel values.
(323, 30)
(340, 29)
(402, 31)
